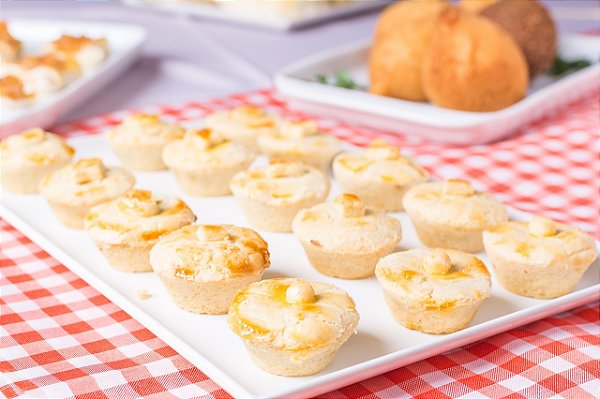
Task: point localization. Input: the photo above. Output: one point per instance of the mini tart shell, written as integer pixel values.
(316, 150)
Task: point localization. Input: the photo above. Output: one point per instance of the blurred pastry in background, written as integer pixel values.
(300, 141)
(27, 157)
(13, 94)
(85, 51)
(475, 6)
(43, 74)
(10, 48)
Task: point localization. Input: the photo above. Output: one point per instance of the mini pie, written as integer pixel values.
(85, 51)
(539, 259)
(452, 214)
(203, 267)
(272, 195)
(292, 327)
(13, 94)
(10, 48)
(243, 124)
(436, 291)
(300, 141)
(27, 157)
(43, 74)
(204, 162)
(125, 229)
(140, 139)
(76, 188)
(380, 176)
(344, 238)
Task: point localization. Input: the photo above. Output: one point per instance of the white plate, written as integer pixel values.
(207, 342)
(545, 96)
(125, 43)
(262, 17)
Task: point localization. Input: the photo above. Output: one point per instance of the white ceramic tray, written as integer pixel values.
(207, 342)
(546, 95)
(261, 18)
(125, 43)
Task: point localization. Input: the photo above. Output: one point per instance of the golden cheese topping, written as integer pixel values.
(210, 253)
(441, 278)
(9, 46)
(86, 182)
(35, 147)
(11, 87)
(455, 203)
(5, 35)
(144, 129)
(49, 61)
(281, 182)
(82, 50)
(347, 225)
(540, 243)
(380, 162)
(292, 314)
(243, 124)
(205, 149)
(137, 216)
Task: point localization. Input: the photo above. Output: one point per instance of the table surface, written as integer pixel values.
(61, 338)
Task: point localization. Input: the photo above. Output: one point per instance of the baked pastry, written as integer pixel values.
(203, 267)
(272, 195)
(140, 139)
(292, 327)
(539, 259)
(12, 93)
(76, 188)
(436, 291)
(452, 214)
(125, 229)
(27, 157)
(10, 48)
(300, 141)
(380, 175)
(344, 238)
(85, 51)
(242, 124)
(43, 74)
(204, 162)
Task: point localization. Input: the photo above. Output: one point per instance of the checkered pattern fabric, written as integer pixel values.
(60, 338)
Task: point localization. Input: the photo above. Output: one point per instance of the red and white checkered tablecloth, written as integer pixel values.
(60, 338)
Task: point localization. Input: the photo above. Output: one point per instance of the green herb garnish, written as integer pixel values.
(561, 66)
(341, 79)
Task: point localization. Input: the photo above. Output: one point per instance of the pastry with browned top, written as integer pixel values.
(9, 46)
(85, 51)
(13, 94)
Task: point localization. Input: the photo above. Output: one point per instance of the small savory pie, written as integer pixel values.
(242, 124)
(344, 238)
(76, 188)
(10, 48)
(43, 74)
(452, 214)
(83, 50)
(272, 195)
(300, 141)
(292, 327)
(380, 175)
(540, 258)
(203, 267)
(27, 157)
(204, 162)
(125, 229)
(139, 140)
(436, 291)
(13, 94)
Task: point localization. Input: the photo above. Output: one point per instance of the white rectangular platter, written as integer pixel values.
(379, 345)
(125, 44)
(259, 16)
(298, 82)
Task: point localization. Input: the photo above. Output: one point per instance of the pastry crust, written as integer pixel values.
(27, 157)
(140, 139)
(204, 162)
(300, 141)
(13, 94)
(539, 259)
(380, 175)
(272, 195)
(292, 327)
(202, 267)
(126, 228)
(10, 48)
(452, 214)
(433, 290)
(83, 50)
(43, 74)
(344, 238)
(243, 124)
(76, 188)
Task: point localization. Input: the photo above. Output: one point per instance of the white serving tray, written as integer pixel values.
(260, 18)
(206, 341)
(545, 96)
(125, 43)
